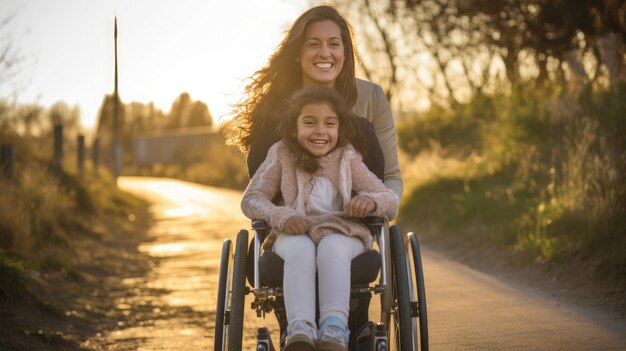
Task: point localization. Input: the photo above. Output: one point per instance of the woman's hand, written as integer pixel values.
(361, 206)
(296, 225)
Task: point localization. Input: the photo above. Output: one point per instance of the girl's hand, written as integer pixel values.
(296, 225)
(361, 206)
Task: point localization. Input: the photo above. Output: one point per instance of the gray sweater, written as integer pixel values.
(373, 105)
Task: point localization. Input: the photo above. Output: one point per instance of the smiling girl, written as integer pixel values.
(317, 167)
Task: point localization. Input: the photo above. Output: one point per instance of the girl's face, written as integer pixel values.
(317, 128)
(322, 54)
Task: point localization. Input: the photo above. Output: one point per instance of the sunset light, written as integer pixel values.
(205, 48)
(332, 175)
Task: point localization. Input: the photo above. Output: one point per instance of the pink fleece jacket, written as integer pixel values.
(346, 171)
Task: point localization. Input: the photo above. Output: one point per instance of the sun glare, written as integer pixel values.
(204, 48)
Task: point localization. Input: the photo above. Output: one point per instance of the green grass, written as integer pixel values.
(541, 176)
(12, 277)
(49, 223)
(479, 208)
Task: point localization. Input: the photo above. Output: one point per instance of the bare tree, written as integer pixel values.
(452, 50)
(424, 46)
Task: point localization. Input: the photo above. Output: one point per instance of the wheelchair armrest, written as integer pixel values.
(373, 221)
(261, 227)
(259, 224)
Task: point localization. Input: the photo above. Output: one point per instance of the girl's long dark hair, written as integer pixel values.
(282, 76)
(348, 128)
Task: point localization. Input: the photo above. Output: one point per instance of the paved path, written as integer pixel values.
(468, 310)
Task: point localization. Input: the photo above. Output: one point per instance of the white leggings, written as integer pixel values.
(332, 258)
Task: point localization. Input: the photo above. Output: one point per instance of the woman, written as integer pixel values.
(316, 51)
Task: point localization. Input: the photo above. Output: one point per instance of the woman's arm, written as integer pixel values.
(372, 104)
(374, 158)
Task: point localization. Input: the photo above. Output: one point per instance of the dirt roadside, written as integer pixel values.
(574, 283)
(64, 307)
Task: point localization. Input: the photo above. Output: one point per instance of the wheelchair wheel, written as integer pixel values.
(402, 333)
(223, 297)
(420, 289)
(235, 329)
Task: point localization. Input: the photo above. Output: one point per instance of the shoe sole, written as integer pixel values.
(326, 345)
(300, 343)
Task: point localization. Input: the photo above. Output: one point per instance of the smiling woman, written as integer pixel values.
(322, 55)
(316, 51)
(202, 47)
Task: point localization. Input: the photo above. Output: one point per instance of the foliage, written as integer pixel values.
(543, 174)
(48, 220)
(11, 278)
(11, 59)
(42, 208)
(448, 52)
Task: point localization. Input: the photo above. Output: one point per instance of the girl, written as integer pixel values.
(316, 167)
(316, 51)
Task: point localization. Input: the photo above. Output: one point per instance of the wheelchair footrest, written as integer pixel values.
(370, 337)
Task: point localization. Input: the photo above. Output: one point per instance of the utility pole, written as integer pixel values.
(117, 147)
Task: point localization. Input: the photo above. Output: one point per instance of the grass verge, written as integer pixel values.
(539, 181)
(64, 243)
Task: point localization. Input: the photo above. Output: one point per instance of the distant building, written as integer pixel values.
(179, 146)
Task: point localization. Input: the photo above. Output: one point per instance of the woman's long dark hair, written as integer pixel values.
(282, 76)
(348, 128)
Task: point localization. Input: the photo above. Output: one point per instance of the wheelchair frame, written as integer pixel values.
(403, 324)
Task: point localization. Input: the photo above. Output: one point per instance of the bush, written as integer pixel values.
(12, 276)
(550, 166)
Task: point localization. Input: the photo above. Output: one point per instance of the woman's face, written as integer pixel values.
(322, 54)
(317, 128)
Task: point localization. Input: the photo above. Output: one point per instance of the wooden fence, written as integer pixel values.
(8, 156)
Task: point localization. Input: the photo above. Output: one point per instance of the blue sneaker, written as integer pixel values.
(333, 335)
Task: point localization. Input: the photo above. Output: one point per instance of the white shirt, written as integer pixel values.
(324, 198)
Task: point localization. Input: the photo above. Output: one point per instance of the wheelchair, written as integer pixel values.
(397, 264)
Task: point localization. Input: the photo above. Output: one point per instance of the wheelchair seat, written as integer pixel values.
(364, 269)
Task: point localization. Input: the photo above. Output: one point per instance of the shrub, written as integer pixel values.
(560, 160)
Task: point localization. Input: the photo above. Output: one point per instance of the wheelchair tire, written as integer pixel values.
(223, 297)
(235, 329)
(421, 292)
(403, 331)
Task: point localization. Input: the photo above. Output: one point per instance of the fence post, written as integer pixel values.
(57, 162)
(95, 149)
(7, 161)
(81, 156)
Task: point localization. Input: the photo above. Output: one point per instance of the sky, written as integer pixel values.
(204, 47)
